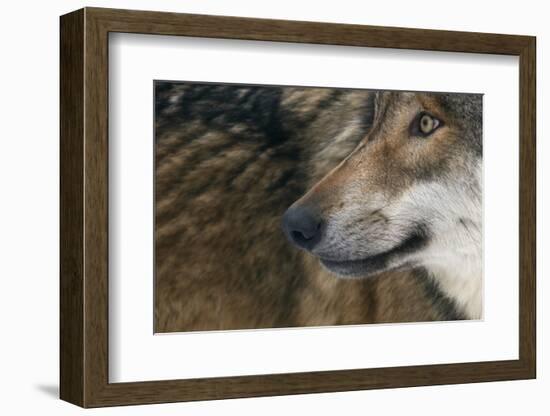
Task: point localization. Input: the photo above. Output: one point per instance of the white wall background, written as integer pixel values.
(29, 206)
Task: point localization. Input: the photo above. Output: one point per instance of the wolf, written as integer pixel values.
(229, 161)
(408, 197)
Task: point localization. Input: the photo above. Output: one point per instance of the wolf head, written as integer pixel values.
(409, 194)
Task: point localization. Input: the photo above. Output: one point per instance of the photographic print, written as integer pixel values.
(279, 206)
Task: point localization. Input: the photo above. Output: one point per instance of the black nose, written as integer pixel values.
(302, 226)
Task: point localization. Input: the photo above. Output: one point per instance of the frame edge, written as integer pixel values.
(71, 336)
(528, 208)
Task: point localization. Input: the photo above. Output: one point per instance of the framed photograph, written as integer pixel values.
(260, 207)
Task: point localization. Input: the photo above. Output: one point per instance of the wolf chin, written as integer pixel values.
(409, 197)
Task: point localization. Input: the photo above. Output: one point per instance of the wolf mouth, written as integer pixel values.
(378, 263)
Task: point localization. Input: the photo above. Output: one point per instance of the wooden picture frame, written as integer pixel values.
(84, 207)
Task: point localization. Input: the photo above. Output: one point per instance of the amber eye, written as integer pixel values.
(424, 125)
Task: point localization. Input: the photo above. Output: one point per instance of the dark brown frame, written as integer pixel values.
(84, 213)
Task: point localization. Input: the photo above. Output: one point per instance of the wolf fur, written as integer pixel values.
(229, 160)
